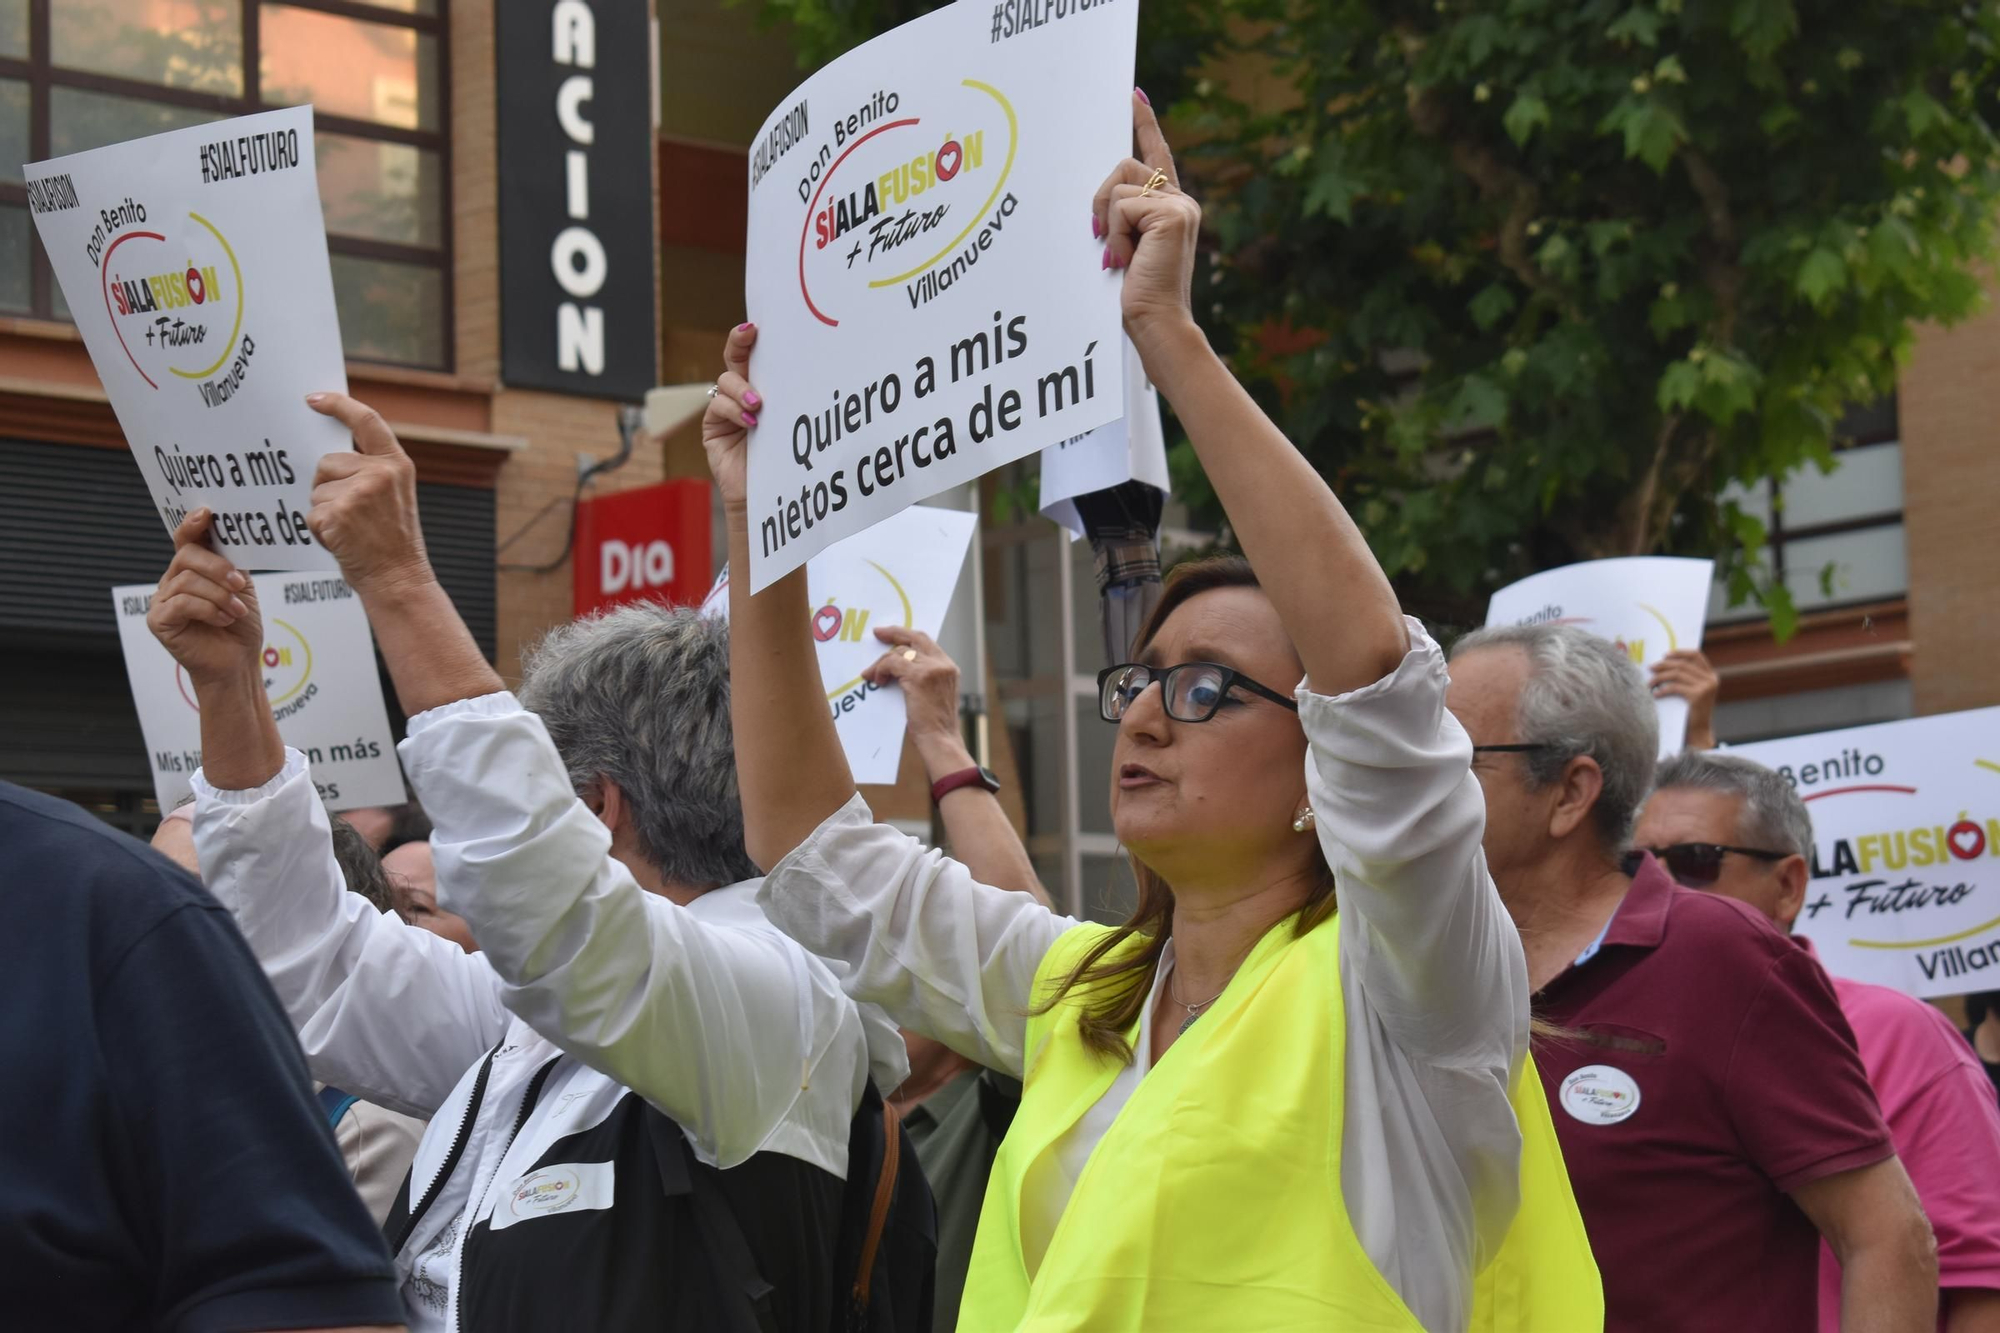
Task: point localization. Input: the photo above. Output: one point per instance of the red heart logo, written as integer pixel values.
(826, 622)
(1967, 839)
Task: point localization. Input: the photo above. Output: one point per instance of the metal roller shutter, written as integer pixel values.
(74, 522)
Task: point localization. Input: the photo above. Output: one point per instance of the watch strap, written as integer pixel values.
(965, 777)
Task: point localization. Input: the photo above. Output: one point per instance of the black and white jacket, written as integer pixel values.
(607, 1012)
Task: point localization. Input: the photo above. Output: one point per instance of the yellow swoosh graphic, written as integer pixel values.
(1673, 644)
(295, 634)
(236, 273)
(909, 619)
(1924, 944)
(1013, 142)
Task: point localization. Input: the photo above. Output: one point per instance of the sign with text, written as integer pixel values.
(900, 572)
(575, 108)
(1132, 449)
(929, 300)
(319, 669)
(1905, 887)
(194, 264)
(1648, 605)
(651, 544)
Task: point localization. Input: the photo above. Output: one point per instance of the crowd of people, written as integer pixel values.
(1442, 1005)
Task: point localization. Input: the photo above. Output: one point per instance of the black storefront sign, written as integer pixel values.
(576, 196)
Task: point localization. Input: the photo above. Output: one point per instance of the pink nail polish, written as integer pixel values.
(750, 397)
(1141, 94)
(744, 325)
(1107, 258)
(749, 418)
(1096, 227)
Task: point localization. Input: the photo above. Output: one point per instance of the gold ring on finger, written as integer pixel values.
(1159, 178)
(909, 654)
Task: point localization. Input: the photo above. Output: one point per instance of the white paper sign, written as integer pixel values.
(195, 265)
(901, 572)
(319, 669)
(1648, 605)
(929, 298)
(1905, 887)
(1132, 449)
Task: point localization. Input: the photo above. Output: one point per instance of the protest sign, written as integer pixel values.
(930, 302)
(1647, 605)
(901, 573)
(319, 670)
(1905, 879)
(194, 264)
(1132, 449)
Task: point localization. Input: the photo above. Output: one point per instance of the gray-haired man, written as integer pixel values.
(1731, 826)
(1713, 1112)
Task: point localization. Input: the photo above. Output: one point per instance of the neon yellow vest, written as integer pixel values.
(1213, 1204)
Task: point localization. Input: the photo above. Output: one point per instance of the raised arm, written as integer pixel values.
(365, 512)
(789, 764)
(1334, 600)
(384, 1010)
(975, 826)
(916, 933)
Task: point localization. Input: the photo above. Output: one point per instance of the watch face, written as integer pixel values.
(988, 780)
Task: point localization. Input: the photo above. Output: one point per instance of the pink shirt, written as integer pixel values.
(1942, 1114)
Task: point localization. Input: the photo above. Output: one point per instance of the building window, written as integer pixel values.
(1836, 538)
(79, 74)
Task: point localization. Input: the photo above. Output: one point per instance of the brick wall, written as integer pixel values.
(1950, 411)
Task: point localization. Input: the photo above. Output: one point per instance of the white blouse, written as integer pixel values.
(1433, 977)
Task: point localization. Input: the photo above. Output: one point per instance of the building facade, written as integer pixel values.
(407, 99)
(1893, 558)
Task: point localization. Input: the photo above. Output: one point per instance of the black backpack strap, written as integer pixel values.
(721, 1236)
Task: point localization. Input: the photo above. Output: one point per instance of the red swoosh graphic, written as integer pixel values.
(813, 207)
(1844, 791)
(104, 271)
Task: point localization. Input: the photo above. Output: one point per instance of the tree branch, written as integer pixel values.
(1497, 181)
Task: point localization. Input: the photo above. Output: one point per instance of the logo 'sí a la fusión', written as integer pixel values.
(177, 307)
(906, 201)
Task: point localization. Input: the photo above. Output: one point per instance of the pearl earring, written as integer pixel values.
(1304, 821)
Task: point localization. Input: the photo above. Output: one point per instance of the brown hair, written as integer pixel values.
(1113, 993)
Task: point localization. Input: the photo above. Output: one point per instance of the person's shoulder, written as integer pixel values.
(1719, 926)
(1902, 1025)
(60, 844)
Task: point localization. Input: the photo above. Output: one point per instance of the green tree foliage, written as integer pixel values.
(1533, 280)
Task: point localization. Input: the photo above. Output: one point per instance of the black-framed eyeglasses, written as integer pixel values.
(1696, 865)
(1193, 691)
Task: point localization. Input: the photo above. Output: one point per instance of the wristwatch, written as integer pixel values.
(975, 776)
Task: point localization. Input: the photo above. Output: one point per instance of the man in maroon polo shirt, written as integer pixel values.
(1712, 1108)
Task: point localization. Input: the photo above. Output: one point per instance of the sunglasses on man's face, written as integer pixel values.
(1696, 865)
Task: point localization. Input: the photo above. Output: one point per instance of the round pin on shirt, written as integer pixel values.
(1599, 1095)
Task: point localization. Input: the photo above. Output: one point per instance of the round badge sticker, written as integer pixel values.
(547, 1191)
(1600, 1095)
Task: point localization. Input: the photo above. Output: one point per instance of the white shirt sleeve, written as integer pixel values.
(723, 1028)
(384, 1010)
(945, 955)
(1400, 817)
(1434, 979)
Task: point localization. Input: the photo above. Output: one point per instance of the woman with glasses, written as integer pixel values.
(1284, 1093)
